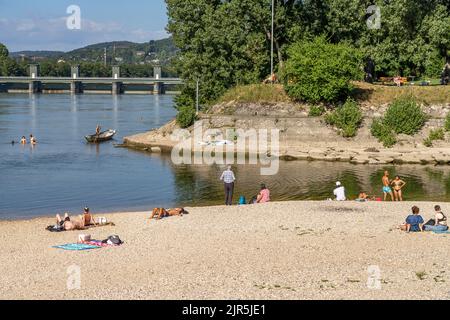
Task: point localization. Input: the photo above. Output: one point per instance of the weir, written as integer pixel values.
(77, 85)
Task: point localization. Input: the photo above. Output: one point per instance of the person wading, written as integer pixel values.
(228, 178)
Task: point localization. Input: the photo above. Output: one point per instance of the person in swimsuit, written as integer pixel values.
(32, 140)
(387, 186)
(87, 219)
(69, 225)
(23, 140)
(398, 185)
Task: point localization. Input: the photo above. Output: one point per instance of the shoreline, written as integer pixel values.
(281, 250)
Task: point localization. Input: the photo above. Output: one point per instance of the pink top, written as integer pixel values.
(265, 196)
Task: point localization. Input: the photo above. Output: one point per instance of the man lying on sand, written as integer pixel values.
(160, 213)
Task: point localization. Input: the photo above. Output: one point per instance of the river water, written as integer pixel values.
(63, 173)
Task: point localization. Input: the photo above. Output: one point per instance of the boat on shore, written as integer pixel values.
(101, 137)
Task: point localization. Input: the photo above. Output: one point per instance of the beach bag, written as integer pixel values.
(84, 238)
(113, 240)
(102, 221)
(242, 200)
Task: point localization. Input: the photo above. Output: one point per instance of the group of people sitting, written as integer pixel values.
(415, 223)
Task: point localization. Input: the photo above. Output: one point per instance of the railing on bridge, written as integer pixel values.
(35, 81)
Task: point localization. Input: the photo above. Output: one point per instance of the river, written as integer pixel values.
(63, 173)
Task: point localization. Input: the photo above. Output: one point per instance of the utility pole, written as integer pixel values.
(272, 39)
(104, 58)
(197, 98)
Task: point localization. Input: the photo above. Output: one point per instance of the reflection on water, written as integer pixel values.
(301, 180)
(63, 173)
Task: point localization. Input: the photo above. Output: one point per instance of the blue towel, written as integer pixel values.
(76, 247)
(442, 232)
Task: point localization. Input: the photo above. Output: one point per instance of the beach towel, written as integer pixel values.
(442, 232)
(99, 243)
(76, 247)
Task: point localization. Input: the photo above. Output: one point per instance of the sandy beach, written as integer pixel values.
(292, 250)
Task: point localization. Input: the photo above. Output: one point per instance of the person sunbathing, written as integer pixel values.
(87, 218)
(68, 224)
(160, 213)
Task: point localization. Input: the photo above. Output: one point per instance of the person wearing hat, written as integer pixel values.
(339, 192)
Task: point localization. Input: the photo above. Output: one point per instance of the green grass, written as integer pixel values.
(366, 93)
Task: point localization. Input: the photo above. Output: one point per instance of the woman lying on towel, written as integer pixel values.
(68, 224)
(160, 213)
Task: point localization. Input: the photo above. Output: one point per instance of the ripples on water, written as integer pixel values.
(63, 173)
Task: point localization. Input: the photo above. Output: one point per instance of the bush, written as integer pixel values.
(347, 118)
(437, 134)
(316, 111)
(447, 123)
(319, 71)
(186, 116)
(405, 116)
(383, 133)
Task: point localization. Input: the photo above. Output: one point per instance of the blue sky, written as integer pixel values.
(42, 25)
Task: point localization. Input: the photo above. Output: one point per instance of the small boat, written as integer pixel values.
(103, 136)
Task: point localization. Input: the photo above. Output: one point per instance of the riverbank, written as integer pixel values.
(247, 109)
(291, 250)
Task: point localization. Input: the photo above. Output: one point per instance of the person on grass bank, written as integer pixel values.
(414, 222)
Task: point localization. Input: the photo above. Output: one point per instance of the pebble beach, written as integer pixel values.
(276, 251)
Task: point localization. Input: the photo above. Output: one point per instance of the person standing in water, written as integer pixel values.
(32, 140)
(23, 140)
(228, 178)
(387, 190)
(398, 185)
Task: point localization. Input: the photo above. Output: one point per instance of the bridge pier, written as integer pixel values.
(34, 87)
(76, 87)
(158, 88)
(117, 87)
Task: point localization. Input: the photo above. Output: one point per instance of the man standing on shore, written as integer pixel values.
(387, 186)
(228, 178)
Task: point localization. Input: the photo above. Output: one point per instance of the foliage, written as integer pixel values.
(319, 71)
(316, 111)
(347, 118)
(405, 116)
(383, 133)
(447, 123)
(186, 116)
(4, 53)
(434, 135)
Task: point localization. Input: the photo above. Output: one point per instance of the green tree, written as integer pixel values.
(318, 71)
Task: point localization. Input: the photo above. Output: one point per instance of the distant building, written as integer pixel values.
(140, 53)
(118, 59)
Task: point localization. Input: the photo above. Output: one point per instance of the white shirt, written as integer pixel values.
(340, 194)
(228, 176)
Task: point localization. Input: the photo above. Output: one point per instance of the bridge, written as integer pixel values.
(34, 83)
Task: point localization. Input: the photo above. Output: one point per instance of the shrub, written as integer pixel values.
(347, 118)
(186, 116)
(437, 134)
(319, 71)
(316, 111)
(383, 133)
(405, 116)
(447, 123)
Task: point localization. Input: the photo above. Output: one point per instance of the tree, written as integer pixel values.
(4, 53)
(318, 71)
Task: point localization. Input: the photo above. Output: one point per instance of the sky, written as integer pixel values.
(46, 25)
